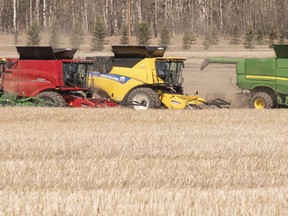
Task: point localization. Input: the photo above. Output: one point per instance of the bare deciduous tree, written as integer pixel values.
(178, 15)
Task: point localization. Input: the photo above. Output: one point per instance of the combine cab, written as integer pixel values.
(265, 78)
(139, 76)
(51, 75)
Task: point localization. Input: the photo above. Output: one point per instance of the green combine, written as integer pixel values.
(265, 78)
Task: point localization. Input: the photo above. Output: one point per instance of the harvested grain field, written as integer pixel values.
(157, 162)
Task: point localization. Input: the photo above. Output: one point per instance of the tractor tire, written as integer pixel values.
(261, 100)
(52, 99)
(143, 99)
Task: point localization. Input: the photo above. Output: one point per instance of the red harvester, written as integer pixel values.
(51, 74)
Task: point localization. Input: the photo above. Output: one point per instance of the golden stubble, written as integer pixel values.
(159, 162)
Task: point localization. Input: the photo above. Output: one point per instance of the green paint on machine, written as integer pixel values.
(261, 76)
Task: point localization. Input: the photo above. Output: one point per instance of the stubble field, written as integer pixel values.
(158, 162)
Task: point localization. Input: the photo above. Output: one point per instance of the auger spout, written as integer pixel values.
(220, 60)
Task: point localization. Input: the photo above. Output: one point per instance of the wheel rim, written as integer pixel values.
(143, 102)
(259, 104)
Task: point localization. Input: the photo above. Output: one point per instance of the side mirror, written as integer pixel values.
(2, 69)
(2, 63)
(5, 65)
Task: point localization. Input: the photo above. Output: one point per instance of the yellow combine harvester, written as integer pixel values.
(139, 76)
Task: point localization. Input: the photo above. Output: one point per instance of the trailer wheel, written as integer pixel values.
(143, 99)
(261, 100)
(52, 99)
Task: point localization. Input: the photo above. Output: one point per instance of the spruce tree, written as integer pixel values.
(34, 35)
(124, 36)
(286, 34)
(164, 37)
(210, 38)
(54, 35)
(260, 37)
(214, 37)
(16, 37)
(249, 37)
(77, 35)
(207, 40)
(143, 34)
(235, 40)
(273, 35)
(99, 35)
(188, 40)
(282, 37)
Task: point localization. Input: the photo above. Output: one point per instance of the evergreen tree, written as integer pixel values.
(273, 35)
(16, 37)
(77, 35)
(188, 40)
(214, 37)
(282, 37)
(164, 37)
(249, 37)
(143, 34)
(34, 35)
(235, 40)
(286, 34)
(260, 37)
(210, 38)
(54, 36)
(99, 35)
(124, 37)
(207, 40)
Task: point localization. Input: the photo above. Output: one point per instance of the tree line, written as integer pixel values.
(199, 17)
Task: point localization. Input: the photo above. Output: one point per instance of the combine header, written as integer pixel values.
(139, 76)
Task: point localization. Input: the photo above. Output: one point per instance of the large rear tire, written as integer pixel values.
(52, 99)
(143, 99)
(261, 100)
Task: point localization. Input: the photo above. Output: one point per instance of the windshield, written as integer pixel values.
(170, 71)
(75, 74)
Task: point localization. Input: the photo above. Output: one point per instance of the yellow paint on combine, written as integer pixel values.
(178, 101)
(266, 77)
(145, 68)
